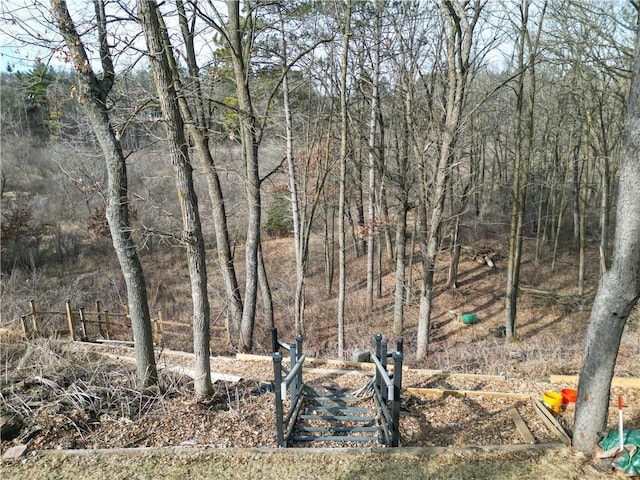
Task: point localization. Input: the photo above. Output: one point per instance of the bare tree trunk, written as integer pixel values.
(575, 196)
(198, 129)
(562, 206)
(459, 39)
(265, 289)
(92, 92)
(372, 229)
(342, 264)
(604, 215)
(401, 241)
(179, 154)
(619, 288)
(583, 203)
(520, 175)
(605, 201)
(293, 189)
(249, 139)
(329, 247)
(522, 165)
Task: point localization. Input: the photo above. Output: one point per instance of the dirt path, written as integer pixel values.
(540, 462)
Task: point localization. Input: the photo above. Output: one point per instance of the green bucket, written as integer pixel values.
(469, 318)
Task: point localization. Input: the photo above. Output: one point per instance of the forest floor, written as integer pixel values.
(81, 416)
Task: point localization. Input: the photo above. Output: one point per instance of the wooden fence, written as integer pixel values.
(85, 325)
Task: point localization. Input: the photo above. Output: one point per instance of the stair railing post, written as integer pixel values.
(274, 340)
(293, 358)
(383, 361)
(299, 339)
(277, 374)
(397, 388)
(378, 338)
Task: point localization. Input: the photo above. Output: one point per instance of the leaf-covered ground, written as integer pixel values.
(82, 397)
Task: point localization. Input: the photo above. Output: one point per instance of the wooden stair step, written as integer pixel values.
(332, 438)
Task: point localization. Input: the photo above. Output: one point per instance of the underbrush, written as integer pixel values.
(49, 390)
(55, 396)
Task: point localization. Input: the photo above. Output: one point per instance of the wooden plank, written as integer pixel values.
(629, 382)
(339, 364)
(336, 371)
(521, 426)
(464, 393)
(551, 422)
(445, 374)
(371, 367)
(250, 357)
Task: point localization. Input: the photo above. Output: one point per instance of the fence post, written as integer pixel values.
(99, 314)
(83, 324)
(277, 379)
(106, 324)
(25, 330)
(70, 320)
(34, 321)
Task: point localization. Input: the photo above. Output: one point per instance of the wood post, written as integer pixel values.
(106, 324)
(83, 324)
(25, 331)
(70, 320)
(34, 320)
(99, 314)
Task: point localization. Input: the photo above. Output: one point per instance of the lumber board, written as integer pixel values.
(445, 374)
(249, 357)
(628, 382)
(252, 357)
(464, 393)
(551, 423)
(342, 364)
(521, 426)
(336, 371)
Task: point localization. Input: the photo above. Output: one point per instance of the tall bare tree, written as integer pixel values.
(93, 90)
(460, 21)
(159, 49)
(372, 152)
(524, 129)
(344, 129)
(199, 131)
(619, 288)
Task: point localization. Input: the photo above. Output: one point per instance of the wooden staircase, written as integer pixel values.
(331, 415)
(306, 414)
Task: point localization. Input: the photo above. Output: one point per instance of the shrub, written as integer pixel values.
(19, 236)
(279, 222)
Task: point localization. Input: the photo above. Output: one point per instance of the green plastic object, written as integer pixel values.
(629, 463)
(469, 318)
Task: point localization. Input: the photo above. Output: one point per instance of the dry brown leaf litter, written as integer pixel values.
(73, 415)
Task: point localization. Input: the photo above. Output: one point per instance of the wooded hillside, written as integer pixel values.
(327, 147)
